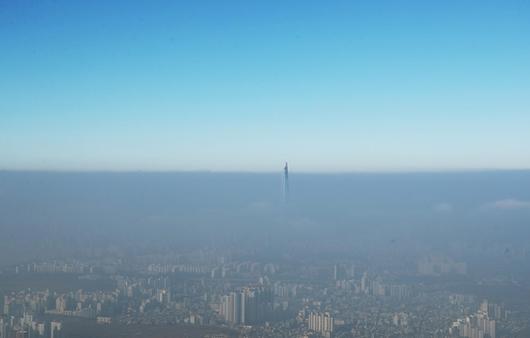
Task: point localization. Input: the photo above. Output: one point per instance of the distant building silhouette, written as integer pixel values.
(286, 183)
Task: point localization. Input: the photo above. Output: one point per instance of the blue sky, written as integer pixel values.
(246, 85)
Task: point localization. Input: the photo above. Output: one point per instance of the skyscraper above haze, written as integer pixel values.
(286, 183)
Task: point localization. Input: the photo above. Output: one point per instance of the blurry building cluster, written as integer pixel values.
(440, 265)
(478, 325)
(247, 306)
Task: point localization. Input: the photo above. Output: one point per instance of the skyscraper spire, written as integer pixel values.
(286, 183)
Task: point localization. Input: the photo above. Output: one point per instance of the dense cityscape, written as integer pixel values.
(207, 293)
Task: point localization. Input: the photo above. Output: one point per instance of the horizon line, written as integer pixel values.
(314, 172)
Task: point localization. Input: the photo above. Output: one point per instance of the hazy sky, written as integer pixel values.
(246, 85)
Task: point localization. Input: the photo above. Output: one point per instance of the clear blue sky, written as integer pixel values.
(246, 85)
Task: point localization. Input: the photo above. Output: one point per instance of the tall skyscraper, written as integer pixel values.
(286, 183)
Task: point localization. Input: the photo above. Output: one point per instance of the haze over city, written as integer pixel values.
(305, 169)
